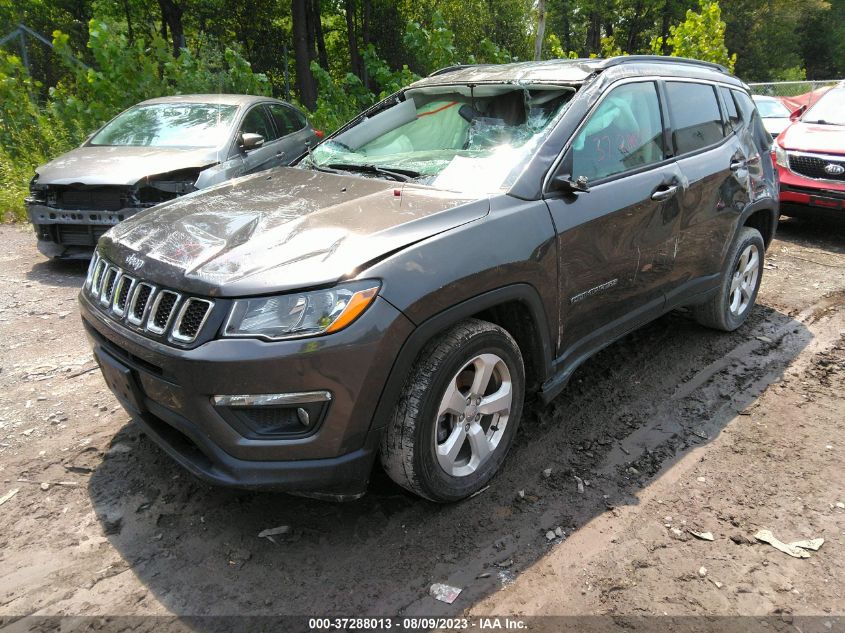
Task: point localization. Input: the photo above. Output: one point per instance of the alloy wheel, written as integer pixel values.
(473, 415)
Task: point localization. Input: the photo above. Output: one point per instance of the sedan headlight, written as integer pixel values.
(780, 156)
(301, 314)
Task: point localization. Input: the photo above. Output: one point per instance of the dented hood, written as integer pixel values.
(281, 229)
(120, 165)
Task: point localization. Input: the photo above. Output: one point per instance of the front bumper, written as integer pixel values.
(800, 196)
(71, 234)
(173, 390)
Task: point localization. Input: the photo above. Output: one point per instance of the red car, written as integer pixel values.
(810, 155)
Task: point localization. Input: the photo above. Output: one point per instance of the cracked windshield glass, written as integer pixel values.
(469, 140)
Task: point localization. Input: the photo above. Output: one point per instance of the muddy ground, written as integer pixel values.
(674, 427)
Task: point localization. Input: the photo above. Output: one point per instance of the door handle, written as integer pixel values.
(665, 192)
(737, 165)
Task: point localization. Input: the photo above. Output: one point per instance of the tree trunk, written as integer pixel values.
(304, 79)
(541, 30)
(664, 27)
(171, 14)
(317, 23)
(128, 21)
(593, 43)
(632, 42)
(365, 35)
(352, 36)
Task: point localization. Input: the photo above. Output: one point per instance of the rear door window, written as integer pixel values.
(695, 115)
(286, 119)
(624, 132)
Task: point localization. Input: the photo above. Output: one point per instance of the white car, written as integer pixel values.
(774, 113)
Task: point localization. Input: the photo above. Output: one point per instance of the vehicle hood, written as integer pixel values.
(776, 125)
(105, 165)
(812, 137)
(281, 229)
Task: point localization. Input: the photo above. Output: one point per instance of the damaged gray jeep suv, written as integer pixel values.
(397, 293)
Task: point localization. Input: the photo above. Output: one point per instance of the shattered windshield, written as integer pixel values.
(169, 125)
(459, 139)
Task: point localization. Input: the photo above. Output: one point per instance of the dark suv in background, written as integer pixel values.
(469, 240)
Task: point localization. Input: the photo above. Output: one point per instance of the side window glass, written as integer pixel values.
(696, 118)
(624, 132)
(297, 119)
(286, 119)
(281, 118)
(751, 117)
(256, 122)
(733, 113)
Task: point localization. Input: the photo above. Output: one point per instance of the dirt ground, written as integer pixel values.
(674, 428)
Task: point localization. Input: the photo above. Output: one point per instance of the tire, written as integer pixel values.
(731, 305)
(433, 416)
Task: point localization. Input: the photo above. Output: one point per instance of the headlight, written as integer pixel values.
(301, 314)
(780, 156)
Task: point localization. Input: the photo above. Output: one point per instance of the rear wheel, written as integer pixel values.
(729, 308)
(458, 413)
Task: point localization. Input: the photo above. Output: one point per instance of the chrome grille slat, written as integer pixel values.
(96, 282)
(92, 266)
(159, 312)
(190, 320)
(162, 311)
(122, 291)
(140, 303)
(110, 278)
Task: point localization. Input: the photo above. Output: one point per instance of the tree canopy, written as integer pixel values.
(337, 57)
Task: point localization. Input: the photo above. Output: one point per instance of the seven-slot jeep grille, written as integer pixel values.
(144, 306)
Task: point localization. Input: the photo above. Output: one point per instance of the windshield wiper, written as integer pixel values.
(402, 175)
(822, 122)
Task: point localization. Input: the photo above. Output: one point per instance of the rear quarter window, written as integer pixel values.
(730, 104)
(695, 115)
(751, 118)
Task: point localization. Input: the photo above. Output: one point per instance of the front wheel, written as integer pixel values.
(458, 413)
(731, 305)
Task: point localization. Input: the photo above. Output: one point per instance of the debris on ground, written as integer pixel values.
(766, 536)
(444, 593)
(478, 492)
(704, 536)
(580, 483)
(8, 495)
(550, 535)
(276, 531)
(547, 473)
(812, 544)
(702, 571)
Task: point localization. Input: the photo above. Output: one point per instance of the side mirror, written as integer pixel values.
(251, 141)
(796, 114)
(564, 182)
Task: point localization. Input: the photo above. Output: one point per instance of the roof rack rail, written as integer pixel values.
(449, 69)
(633, 59)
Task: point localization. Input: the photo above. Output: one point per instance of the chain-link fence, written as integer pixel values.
(794, 93)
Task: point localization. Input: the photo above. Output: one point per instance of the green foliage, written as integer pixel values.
(33, 131)
(700, 36)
